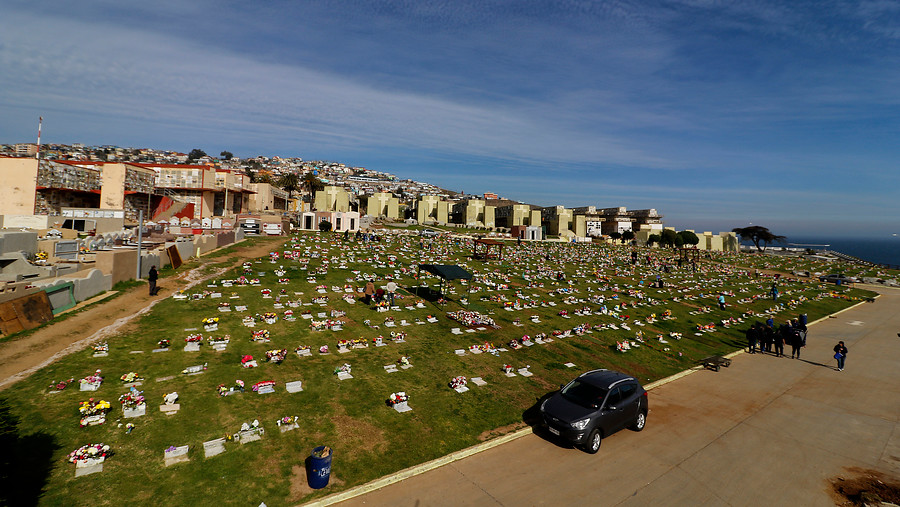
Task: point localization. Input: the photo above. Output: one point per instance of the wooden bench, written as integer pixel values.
(715, 362)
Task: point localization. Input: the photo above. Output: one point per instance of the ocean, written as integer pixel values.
(880, 250)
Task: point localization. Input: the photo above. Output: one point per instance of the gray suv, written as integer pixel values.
(594, 406)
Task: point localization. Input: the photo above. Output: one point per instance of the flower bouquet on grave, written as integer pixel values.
(378, 341)
(224, 304)
(382, 306)
(92, 380)
(396, 398)
(398, 337)
(96, 453)
(276, 355)
(289, 315)
(311, 279)
(287, 420)
(507, 368)
(194, 369)
(242, 280)
(389, 321)
(563, 313)
(323, 349)
(131, 377)
(101, 347)
(270, 317)
(360, 343)
(337, 314)
(514, 344)
(280, 271)
(247, 361)
(59, 386)
(623, 346)
(194, 338)
(211, 324)
(93, 412)
(254, 281)
(457, 382)
(301, 348)
(345, 368)
(238, 387)
(260, 336)
(265, 383)
(403, 361)
(343, 345)
(525, 340)
(318, 325)
(321, 289)
(132, 400)
(535, 318)
(219, 341)
(284, 280)
(180, 295)
(163, 344)
(321, 300)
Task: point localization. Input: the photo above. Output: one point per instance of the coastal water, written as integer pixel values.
(878, 250)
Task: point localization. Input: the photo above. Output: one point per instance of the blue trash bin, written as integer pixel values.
(318, 470)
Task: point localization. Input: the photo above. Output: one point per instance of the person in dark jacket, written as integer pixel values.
(840, 353)
(152, 277)
(752, 338)
(796, 342)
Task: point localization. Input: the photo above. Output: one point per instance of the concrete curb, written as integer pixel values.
(490, 444)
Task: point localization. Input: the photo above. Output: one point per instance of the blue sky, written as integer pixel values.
(719, 114)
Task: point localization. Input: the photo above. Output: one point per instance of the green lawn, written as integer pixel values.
(369, 439)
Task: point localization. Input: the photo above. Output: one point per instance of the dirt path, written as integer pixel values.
(23, 356)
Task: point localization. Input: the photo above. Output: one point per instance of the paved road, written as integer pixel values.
(766, 431)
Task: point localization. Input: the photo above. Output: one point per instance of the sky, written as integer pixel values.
(719, 114)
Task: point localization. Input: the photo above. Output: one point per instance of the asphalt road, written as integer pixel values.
(765, 431)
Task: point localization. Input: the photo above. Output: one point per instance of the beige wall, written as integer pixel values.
(18, 176)
(383, 204)
(332, 198)
(112, 193)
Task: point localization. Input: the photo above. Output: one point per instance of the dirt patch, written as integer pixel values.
(499, 432)
(300, 486)
(864, 487)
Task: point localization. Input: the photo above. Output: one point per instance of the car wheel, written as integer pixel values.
(593, 442)
(639, 421)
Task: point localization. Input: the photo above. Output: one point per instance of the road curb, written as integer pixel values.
(490, 444)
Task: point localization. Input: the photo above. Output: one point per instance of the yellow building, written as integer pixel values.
(432, 208)
(383, 204)
(332, 198)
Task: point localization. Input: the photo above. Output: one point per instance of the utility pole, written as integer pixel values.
(38, 154)
(140, 237)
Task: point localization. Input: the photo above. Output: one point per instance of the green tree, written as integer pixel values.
(758, 234)
(325, 226)
(310, 183)
(615, 235)
(290, 182)
(653, 239)
(689, 238)
(195, 154)
(627, 236)
(226, 155)
(668, 237)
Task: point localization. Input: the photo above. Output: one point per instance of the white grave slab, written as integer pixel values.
(391, 368)
(192, 347)
(213, 447)
(134, 412)
(289, 427)
(478, 381)
(461, 389)
(178, 455)
(524, 372)
(88, 467)
(402, 407)
(294, 387)
(569, 365)
(344, 375)
(160, 350)
(170, 409)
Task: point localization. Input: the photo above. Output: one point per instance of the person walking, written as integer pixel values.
(782, 335)
(721, 301)
(369, 291)
(796, 342)
(840, 353)
(391, 289)
(751, 339)
(152, 277)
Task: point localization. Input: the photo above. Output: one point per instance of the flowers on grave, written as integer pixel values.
(132, 399)
(129, 427)
(170, 398)
(396, 398)
(535, 318)
(389, 319)
(266, 292)
(163, 344)
(209, 321)
(280, 272)
(96, 452)
(101, 347)
(94, 380)
(289, 315)
(337, 314)
(378, 341)
(321, 287)
(360, 343)
(270, 317)
(563, 313)
(276, 355)
(403, 361)
(254, 281)
(59, 386)
(287, 420)
(224, 305)
(457, 382)
(398, 337)
(623, 346)
(238, 387)
(507, 368)
(41, 257)
(514, 344)
(382, 306)
(675, 335)
(470, 319)
(131, 377)
(94, 407)
(194, 338)
(248, 362)
(220, 341)
(261, 336)
(323, 349)
(321, 300)
(345, 368)
(265, 383)
(301, 348)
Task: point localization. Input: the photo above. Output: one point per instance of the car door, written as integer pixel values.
(631, 402)
(612, 413)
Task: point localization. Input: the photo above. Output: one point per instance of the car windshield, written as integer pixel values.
(584, 394)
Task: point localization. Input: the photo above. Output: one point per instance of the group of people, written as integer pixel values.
(793, 333)
(773, 340)
(372, 294)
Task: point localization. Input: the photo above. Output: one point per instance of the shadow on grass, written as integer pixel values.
(25, 460)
